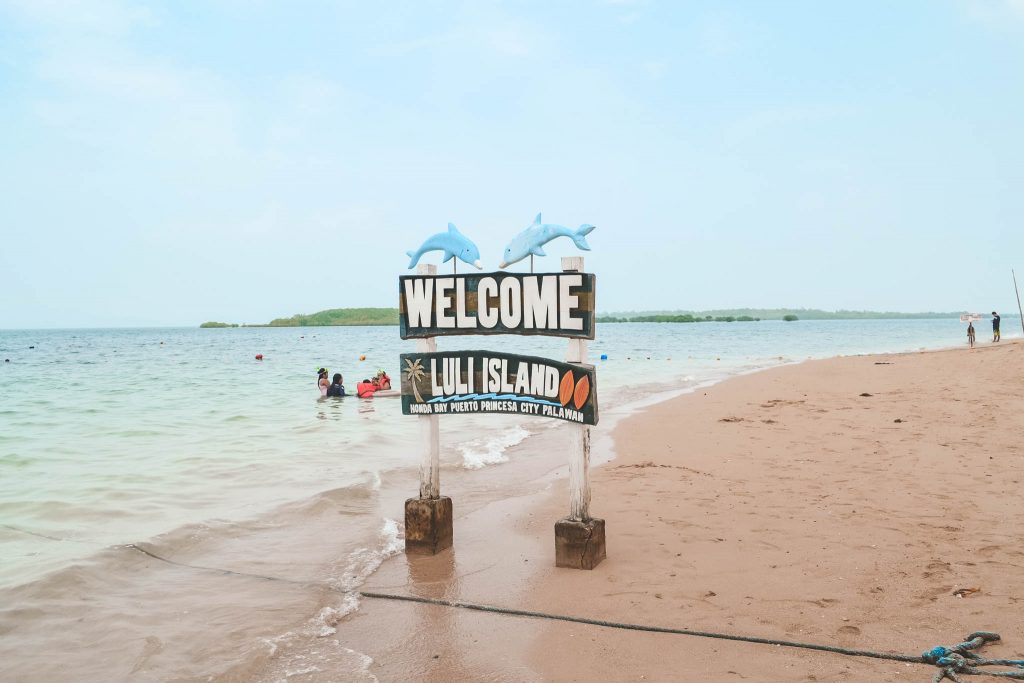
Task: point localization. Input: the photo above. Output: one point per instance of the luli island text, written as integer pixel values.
(554, 304)
(491, 382)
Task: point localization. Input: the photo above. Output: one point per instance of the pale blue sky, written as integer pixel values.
(169, 163)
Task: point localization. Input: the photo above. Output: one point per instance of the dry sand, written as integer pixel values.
(842, 502)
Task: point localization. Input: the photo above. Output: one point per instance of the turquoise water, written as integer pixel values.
(116, 436)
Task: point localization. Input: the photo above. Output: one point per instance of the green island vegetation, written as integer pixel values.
(339, 316)
(389, 316)
(684, 318)
(757, 314)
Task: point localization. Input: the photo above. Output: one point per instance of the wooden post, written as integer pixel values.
(1017, 292)
(579, 451)
(430, 438)
(428, 519)
(579, 538)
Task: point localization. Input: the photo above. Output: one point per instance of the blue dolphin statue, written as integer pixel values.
(531, 240)
(452, 243)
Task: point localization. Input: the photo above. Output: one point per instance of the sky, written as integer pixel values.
(168, 163)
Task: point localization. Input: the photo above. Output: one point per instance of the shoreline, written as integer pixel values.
(501, 555)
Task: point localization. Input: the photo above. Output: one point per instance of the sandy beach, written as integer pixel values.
(868, 502)
(753, 261)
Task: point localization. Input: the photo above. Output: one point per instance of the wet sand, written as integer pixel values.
(785, 504)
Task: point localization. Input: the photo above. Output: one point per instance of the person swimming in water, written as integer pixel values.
(382, 381)
(336, 388)
(322, 382)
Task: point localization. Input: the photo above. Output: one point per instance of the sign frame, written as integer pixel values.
(517, 303)
(498, 383)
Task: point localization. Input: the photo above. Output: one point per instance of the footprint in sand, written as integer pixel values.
(848, 630)
(932, 595)
(824, 602)
(934, 568)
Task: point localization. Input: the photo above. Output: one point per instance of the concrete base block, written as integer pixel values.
(579, 545)
(428, 525)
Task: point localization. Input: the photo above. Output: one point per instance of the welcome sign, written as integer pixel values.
(552, 304)
(491, 382)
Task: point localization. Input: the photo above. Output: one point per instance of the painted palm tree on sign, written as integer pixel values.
(414, 373)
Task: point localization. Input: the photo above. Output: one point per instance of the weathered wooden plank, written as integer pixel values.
(430, 435)
(579, 452)
(551, 304)
(457, 382)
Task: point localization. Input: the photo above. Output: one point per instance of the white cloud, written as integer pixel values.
(480, 30)
(509, 41)
(111, 17)
(769, 121)
(127, 77)
(655, 70)
(996, 14)
(719, 37)
(403, 48)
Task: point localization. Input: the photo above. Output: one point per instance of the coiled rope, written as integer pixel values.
(953, 661)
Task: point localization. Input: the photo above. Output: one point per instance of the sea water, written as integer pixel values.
(178, 438)
(112, 436)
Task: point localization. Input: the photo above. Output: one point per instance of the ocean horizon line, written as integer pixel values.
(895, 315)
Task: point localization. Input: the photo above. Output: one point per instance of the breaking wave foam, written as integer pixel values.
(296, 657)
(361, 562)
(490, 450)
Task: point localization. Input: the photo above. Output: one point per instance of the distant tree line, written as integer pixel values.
(389, 316)
(340, 316)
(328, 318)
(763, 314)
(684, 318)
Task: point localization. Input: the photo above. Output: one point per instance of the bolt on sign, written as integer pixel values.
(551, 304)
(491, 382)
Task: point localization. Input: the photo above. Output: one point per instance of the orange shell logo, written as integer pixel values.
(565, 388)
(582, 392)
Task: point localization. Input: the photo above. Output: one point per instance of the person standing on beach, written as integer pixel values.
(322, 382)
(970, 334)
(995, 326)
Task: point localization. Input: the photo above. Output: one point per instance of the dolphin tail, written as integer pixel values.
(414, 256)
(579, 237)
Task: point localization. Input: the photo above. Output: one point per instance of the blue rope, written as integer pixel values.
(958, 659)
(952, 661)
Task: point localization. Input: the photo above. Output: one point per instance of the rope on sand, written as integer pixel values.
(952, 661)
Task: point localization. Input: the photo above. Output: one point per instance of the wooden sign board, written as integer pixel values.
(459, 382)
(970, 317)
(553, 304)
